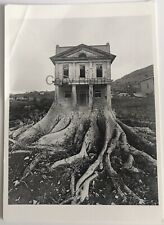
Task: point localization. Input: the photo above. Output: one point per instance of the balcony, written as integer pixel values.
(93, 81)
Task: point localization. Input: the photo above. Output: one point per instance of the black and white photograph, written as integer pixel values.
(82, 116)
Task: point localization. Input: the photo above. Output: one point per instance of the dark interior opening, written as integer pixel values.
(82, 70)
(66, 71)
(99, 70)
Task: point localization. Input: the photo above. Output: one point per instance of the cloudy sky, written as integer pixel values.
(33, 41)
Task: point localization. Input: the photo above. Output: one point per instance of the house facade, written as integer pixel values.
(83, 75)
(147, 86)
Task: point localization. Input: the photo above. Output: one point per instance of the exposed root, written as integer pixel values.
(12, 141)
(140, 156)
(83, 192)
(114, 177)
(82, 185)
(31, 149)
(137, 141)
(66, 201)
(112, 173)
(77, 135)
(32, 165)
(61, 137)
(69, 160)
(81, 131)
(44, 126)
(62, 124)
(128, 165)
(20, 152)
(146, 130)
(132, 194)
(88, 143)
(119, 185)
(72, 184)
(19, 131)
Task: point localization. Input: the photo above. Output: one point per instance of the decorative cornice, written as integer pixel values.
(63, 55)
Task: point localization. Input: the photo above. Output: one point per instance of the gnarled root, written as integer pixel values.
(88, 144)
(140, 156)
(82, 186)
(119, 184)
(137, 141)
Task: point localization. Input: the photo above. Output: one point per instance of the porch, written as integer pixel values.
(83, 95)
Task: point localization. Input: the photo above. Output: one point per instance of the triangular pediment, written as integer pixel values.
(81, 52)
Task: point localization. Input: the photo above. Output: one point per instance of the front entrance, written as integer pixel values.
(82, 95)
(82, 99)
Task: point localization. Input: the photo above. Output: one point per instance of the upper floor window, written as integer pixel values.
(66, 71)
(82, 70)
(99, 71)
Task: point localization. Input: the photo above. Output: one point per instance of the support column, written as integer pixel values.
(90, 96)
(90, 70)
(74, 71)
(108, 92)
(108, 70)
(56, 93)
(74, 95)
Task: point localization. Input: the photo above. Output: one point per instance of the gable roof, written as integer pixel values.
(63, 52)
(104, 48)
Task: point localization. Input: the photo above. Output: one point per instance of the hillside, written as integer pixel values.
(32, 95)
(132, 79)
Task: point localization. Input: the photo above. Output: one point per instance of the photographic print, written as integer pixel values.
(82, 116)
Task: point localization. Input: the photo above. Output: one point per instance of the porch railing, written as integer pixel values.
(68, 81)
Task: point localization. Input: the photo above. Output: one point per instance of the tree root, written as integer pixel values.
(137, 141)
(33, 164)
(112, 173)
(61, 125)
(82, 186)
(15, 133)
(61, 137)
(83, 191)
(128, 165)
(140, 156)
(82, 134)
(88, 143)
(20, 152)
(119, 185)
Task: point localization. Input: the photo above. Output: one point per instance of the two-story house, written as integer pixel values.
(83, 75)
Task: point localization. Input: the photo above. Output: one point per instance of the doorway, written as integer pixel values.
(82, 95)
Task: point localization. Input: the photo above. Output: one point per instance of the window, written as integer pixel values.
(66, 71)
(82, 70)
(99, 70)
(97, 93)
(67, 94)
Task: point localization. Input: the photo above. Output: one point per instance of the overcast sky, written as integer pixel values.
(33, 41)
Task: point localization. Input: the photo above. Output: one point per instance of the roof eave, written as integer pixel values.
(112, 57)
(81, 46)
(55, 59)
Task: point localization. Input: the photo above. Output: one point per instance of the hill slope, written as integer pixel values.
(133, 79)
